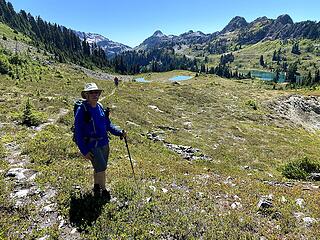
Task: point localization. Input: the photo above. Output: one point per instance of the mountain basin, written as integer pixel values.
(180, 78)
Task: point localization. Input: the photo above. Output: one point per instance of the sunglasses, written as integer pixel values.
(94, 92)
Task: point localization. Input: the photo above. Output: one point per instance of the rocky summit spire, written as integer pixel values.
(158, 33)
(235, 23)
(284, 19)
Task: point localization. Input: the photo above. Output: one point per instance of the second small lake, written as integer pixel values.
(180, 78)
(268, 76)
(141, 80)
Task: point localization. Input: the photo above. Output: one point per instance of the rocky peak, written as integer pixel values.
(235, 23)
(191, 33)
(261, 20)
(158, 33)
(284, 19)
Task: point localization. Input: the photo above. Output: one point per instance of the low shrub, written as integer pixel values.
(300, 169)
(252, 103)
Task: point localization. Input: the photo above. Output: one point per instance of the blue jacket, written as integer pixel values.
(93, 133)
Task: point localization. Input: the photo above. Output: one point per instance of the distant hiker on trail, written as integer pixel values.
(116, 81)
(91, 127)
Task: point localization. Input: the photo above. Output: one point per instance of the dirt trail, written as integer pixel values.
(26, 192)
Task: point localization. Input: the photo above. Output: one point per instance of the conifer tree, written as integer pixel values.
(295, 48)
(308, 80)
(291, 73)
(317, 76)
(27, 114)
(261, 61)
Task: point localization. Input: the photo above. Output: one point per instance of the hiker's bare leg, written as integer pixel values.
(95, 178)
(100, 179)
(103, 180)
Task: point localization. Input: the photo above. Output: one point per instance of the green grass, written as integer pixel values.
(11, 34)
(247, 58)
(174, 198)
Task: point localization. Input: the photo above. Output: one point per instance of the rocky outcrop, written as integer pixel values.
(299, 110)
(236, 23)
(187, 152)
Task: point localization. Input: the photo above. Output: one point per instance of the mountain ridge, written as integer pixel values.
(110, 47)
(238, 30)
(243, 32)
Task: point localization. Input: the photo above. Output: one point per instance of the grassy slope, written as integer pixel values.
(200, 193)
(248, 57)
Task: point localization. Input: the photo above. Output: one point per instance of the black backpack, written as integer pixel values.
(87, 116)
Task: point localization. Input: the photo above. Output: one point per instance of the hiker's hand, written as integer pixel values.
(89, 156)
(124, 134)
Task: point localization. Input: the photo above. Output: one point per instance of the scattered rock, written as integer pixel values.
(155, 108)
(298, 215)
(49, 208)
(283, 199)
(229, 182)
(236, 205)
(300, 202)
(279, 184)
(164, 190)
(44, 238)
(270, 175)
(21, 193)
(33, 177)
(308, 221)
(17, 173)
(245, 167)
(315, 176)
(155, 136)
(187, 152)
(153, 188)
(187, 125)
(168, 128)
(132, 124)
(25, 191)
(265, 202)
(176, 83)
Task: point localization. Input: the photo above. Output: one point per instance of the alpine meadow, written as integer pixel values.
(222, 132)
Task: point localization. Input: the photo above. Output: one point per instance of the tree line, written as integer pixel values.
(67, 46)
(62, 42)
(154, 60)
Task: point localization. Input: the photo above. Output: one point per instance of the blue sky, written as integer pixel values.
(132, 21)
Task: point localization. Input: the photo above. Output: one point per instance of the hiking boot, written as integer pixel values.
(106, 195)
(96, 190)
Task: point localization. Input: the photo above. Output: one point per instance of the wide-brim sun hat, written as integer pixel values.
(90, 87)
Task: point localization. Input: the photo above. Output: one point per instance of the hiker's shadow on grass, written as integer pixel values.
(84, 210)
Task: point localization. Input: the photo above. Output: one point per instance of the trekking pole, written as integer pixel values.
(134, 176)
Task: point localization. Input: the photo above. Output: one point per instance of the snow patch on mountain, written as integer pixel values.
(110, 47)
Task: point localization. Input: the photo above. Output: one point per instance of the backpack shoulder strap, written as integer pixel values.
(84, 106)
(87, 115)
(100, 104)
(105, 110)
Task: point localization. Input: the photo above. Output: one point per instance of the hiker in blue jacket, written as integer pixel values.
(91, 128)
